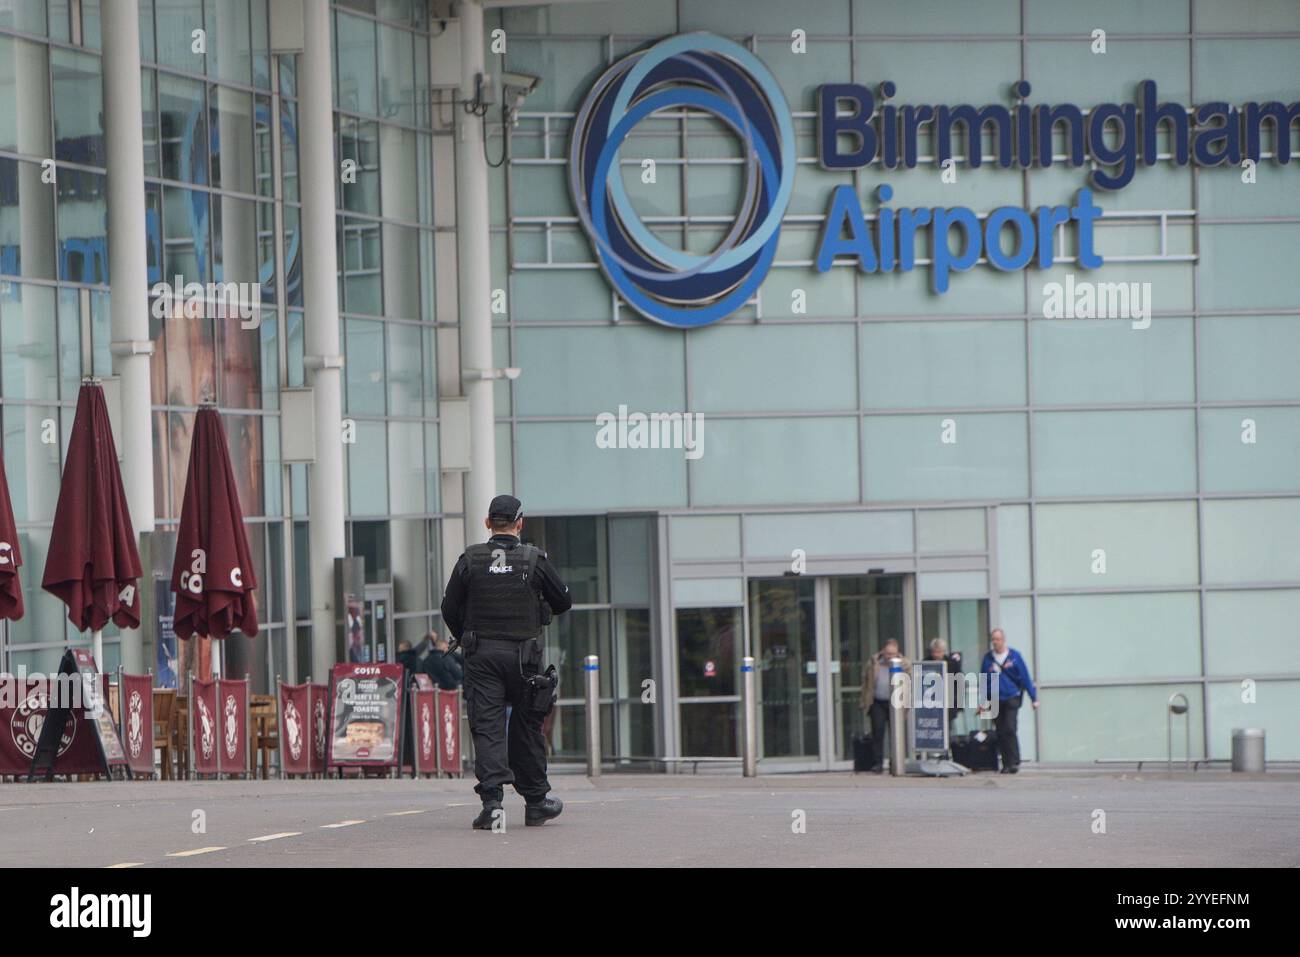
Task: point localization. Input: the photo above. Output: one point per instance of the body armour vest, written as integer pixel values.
(503, 599)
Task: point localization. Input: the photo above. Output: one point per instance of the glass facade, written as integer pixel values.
(219, 115)
(1117, 514)
(1124, 502)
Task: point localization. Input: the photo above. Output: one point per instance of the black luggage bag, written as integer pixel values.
(974, 754)
(864, 753)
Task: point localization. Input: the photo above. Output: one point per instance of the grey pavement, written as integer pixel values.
(1036, 818)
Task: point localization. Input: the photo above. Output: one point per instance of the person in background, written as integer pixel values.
(1013, 681)
(938, 651)
(442, 666)
(406, 658)
(876, 690)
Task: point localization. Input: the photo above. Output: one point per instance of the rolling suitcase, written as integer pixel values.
(864, 755)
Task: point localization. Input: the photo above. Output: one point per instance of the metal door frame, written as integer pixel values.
(826, 704)
(381, 591)
(826, 758)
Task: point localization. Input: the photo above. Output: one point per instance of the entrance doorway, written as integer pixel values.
(811, 639)
(370, 636)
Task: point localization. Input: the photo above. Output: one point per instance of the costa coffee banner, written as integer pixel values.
(365, 714)
(205, 728)
(232, 699)
(296, 744)
(135, 702)
(319, 727)
(424, 722)
(23, 706)
(448, 704)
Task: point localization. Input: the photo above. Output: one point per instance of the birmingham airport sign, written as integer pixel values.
(856, 128)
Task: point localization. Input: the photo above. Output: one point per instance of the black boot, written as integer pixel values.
(487, 816)
(535, 815)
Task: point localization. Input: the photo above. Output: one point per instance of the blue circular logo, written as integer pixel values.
(701, 72)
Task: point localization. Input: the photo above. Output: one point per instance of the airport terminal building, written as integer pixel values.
(781, 359)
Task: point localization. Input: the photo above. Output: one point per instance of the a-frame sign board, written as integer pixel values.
(78, 669)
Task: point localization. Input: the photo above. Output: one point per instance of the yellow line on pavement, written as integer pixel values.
(276, 837)
(197, 850)
(343, 824)
(401, 813)
(126, 864)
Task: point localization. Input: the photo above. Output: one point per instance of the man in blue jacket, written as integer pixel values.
(1013, 681)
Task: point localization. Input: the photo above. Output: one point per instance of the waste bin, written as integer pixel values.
(1248, 750)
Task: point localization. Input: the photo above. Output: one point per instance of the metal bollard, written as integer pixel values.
(897, 724)
(592, 667)
(1248, 750)
(1177, 705)
(749, 706)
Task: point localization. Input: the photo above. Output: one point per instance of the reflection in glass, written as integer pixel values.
(187, 251)
(363, 367)
(33, 466)
(27, 330)
(184, 129)
(397, 75)
(782, 621)
(576, 547)
(83, 237)
(78, 107)
(865, 613)
(356, 64)
(359, 145)
(633, 665)
(362, 267)
(368, 470)
(27, 243)
(709, 729)
(707, 641)
(404, 369)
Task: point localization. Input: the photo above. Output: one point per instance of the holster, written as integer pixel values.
(541, 686)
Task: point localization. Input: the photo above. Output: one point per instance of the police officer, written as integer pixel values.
(494, 606)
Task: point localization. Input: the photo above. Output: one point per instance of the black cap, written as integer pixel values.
(505, 508)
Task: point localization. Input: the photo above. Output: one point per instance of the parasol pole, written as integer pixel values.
(97, 645)
(208, 400)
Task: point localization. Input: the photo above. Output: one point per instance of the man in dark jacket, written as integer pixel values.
(442, 665)
(494, 605)
(1012, 677)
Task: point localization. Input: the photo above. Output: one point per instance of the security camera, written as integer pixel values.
(513, 89)
(518, 85)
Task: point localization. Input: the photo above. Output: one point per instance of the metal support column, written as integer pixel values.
(474, 262)
(130, 345)
(323, 360)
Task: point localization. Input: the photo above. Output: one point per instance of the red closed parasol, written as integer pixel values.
(213, 574)
(11, 558)
(93, 566)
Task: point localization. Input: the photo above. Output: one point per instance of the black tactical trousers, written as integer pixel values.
(495, 675)
(1007, 724)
